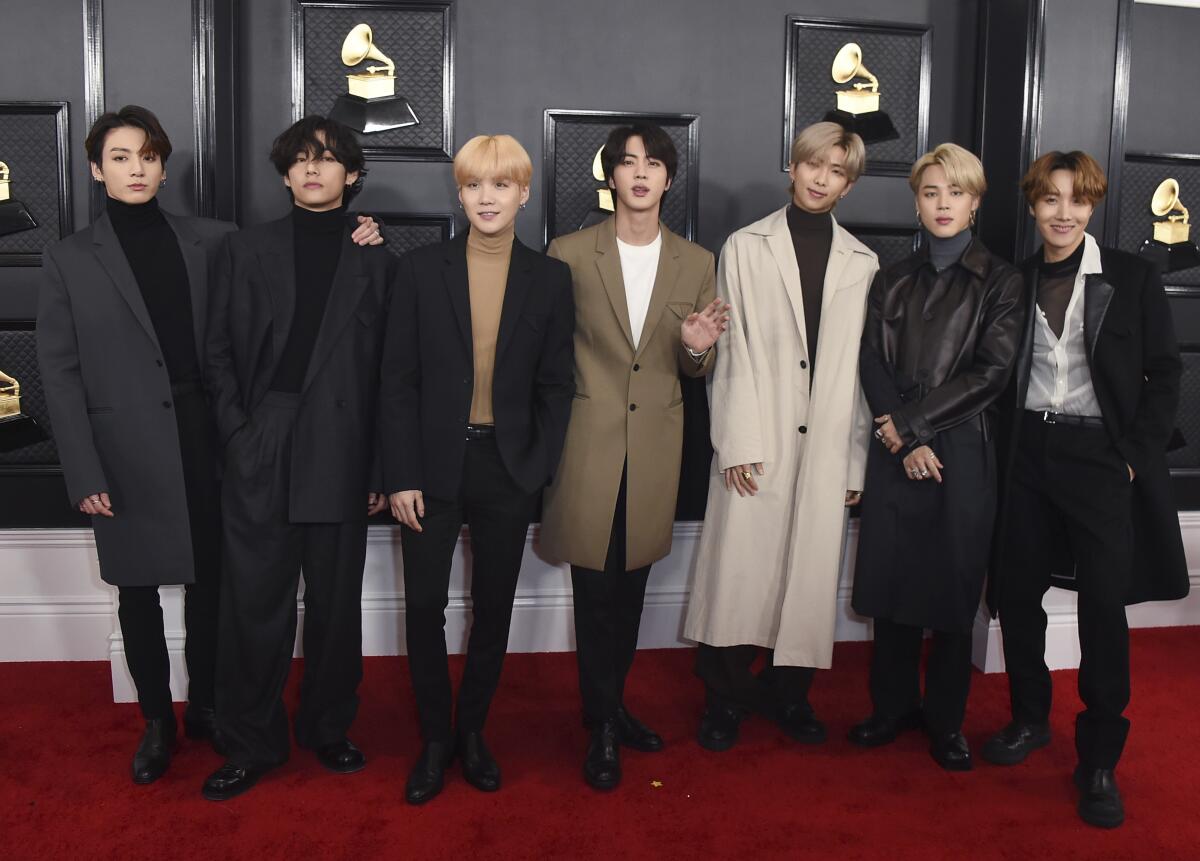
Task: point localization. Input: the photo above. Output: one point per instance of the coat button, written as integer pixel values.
(632, 407)
(803, 364)
(341, 403)
(158, 362)
(166, 405)
(637, 367)
(803, 428)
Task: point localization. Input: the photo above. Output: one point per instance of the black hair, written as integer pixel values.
(302, 137)
(131, 116)
(657, 142)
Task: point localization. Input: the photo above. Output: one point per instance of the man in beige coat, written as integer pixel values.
(645, 311)
(790, 432)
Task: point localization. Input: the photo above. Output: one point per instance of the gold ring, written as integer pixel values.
(746, 475)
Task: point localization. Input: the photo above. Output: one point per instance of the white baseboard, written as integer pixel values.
(53, 606)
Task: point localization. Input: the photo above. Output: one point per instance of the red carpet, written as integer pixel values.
(65, 790)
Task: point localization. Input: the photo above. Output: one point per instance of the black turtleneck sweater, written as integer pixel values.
(1056, 283)
(812, 235)
(318, 242)
(152, 249)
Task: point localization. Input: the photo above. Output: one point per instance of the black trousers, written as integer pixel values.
(138, 609)
(896, 675)
(729, 680)
(498, 513)
(265, 554)
(1070, 488)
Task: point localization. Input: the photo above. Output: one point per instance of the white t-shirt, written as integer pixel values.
(639, 265)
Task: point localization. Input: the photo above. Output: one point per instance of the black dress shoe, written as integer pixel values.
(1015, 742)
(154, 751)
(879, 729)
(631, 732)
(429, 774)
(1099, 799)
(231, 780)
(800, 724)
(719, 727)
(602, 766)
(200, 724)
(479, 766)
(341, 757)
(950, 751)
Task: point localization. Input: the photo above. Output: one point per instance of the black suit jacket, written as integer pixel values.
(1135, 368)
(109, 396)
(429, 367)
(335, 437)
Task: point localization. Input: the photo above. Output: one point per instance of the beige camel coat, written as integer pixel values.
(767, 568)
(628, 401)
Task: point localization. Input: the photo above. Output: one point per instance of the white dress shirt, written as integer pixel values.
(639, 266)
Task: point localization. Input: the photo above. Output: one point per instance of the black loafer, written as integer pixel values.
(632, 733)
(153, 754)
(231, 780)
(719, 728)
(879, 729)
(1099, 799)
(479, 766)
(602, 765)
(200, 724)
(951, 752)
(1015, 742)
(341, 757)
(428, 776)
(800, 724)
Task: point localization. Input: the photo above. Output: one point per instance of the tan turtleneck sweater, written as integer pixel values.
(487, 276)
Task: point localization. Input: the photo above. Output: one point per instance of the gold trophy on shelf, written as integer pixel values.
(1171, 249)
(14, 215)
(370, 103)
(604, 197)
(16, 428)
(858, 107)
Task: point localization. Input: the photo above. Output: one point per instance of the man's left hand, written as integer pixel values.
(367, 232)
(701, 329)
(376, 502)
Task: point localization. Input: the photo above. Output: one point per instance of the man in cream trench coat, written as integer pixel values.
(790, 431)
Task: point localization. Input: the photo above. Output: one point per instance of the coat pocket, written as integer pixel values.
(681, 309)
(99, 411)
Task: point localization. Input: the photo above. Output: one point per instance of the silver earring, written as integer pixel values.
(162, 182)
(522, 206)
(460, 206)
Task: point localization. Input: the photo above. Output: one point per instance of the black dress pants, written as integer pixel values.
(1070, 488)
(896, 675)
(608, 615)
(265, 554)
(138, 609)
(497, 512)
(729, 681)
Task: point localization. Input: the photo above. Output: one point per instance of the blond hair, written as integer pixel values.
(816, 140)
(962, 168)
(492, 157)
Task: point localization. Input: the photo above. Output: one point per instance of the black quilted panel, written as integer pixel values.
(1138, 180)
(414, 36)
(574, 140)
(18, 359)
(1188, 418)
(891, 244)
(29, 146)
(405, 232)
(893, 57)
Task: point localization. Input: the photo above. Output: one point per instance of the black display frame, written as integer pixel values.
(60, 111)
(445, 221)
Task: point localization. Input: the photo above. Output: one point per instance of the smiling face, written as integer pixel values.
(821, 181)
(492, 203)
(944, 208)
(318, 183)
(1062, 216)
(639, 180)
(129, 174)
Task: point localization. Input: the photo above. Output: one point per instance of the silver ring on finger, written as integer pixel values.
(924, 473)
(915, 471)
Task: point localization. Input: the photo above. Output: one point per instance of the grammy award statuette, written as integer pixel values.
(16, 428)
(1171, 249)
(604, 197)
(370, 103)
(14, 215)
(858, 107)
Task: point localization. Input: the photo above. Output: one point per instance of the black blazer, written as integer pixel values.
(429, 366)
(109, 396)
(1135, 367)
(336, 433)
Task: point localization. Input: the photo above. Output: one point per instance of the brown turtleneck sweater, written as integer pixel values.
(487, 276)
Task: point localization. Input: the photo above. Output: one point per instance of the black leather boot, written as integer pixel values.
(154, 752)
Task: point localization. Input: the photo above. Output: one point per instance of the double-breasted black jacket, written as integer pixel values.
(428, 369)
(253, 299)
(1134, 363)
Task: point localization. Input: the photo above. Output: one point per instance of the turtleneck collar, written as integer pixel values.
(802, 219)
(133, 215)
(329, 221)
(1062, 267)
(494, 243)
(947, 251)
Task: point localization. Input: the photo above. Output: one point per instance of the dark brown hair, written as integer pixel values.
(130, 116)
(301, 136)
(657, 142)
(1088, 177)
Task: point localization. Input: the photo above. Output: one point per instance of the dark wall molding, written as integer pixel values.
(1120, 115)
(204, 97)
(93, 84)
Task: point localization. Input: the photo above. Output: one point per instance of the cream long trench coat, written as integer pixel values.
(768, 565)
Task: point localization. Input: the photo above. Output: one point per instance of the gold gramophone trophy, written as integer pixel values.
(16, 428)
(858, 107)
(604, 197)
(1171, 249)
(14, 215)
(370, 103)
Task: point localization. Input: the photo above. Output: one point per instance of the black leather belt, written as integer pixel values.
(481, 431)
(1064, 419)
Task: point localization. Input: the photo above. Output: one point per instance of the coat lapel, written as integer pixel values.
(779, 241)
(196, 262)
(108, 249)
(455, 277)
(608, 264)
(835, 268)
(344, 296)
(664, 283)
(516, 288)
(278, 260)
(1097, 294)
